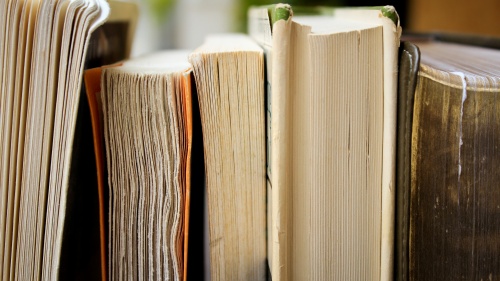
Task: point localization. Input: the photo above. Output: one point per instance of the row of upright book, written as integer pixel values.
(328, 149)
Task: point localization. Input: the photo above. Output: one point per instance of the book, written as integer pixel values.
(142, 125)
(43, 50)
(146, 120)
(331, 136)
(229, 75)
(448, 204)
(318, 159)
(409, 60)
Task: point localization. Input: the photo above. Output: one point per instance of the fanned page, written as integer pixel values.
(454, 199)
(12, 119)
(332, 141)
(229, 74)
(147, 131)
(39, 41)
(108, 44)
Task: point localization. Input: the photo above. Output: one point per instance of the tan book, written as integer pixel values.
(331, 114)
(229, 75)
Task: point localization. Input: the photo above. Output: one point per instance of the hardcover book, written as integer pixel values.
(447, 163)
(331, 133)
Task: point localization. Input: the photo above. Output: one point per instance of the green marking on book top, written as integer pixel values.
(279, 12)
(284, 11)
(390, 13)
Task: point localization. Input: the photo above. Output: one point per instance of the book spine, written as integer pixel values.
(281, 145)
(409, 59)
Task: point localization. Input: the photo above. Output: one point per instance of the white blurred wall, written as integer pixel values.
(185, 25)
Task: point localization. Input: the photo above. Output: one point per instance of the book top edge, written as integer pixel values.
(280, 11)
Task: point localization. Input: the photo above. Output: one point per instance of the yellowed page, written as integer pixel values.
(281, 144)
(232, 115)
(391, 33)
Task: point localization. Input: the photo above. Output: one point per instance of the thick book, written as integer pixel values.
(142, 125)
(44, 46)
(448, 160)
(409, 60)
(229, 75)
(143, 134)
(331, 133)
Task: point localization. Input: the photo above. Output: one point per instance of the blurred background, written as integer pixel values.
(167, 24)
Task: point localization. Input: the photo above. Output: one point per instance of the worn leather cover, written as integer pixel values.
(409, 59)
(455, 190)
(448, 181)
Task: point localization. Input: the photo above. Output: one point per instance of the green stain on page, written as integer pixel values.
(390, 13)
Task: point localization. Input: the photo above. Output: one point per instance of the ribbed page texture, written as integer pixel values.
(337, 154)
(229, 74)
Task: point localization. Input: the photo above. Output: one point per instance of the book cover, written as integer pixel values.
(447, 159)
(299, 117)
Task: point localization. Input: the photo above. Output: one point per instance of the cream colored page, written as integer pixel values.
(176, 192)
(60, 15)
(4, 13)
(3, 158)
(32, 209)
(341, 130)
(11, 141)
(233, 103)
(23, 89)
(260, 30)
(3, 25)
(60, 151)
(8, 88)
(97, 16)
(68, 105)
(6, 125)
(7, 63)
(301, 188)
(269, 224)
(281, 143)
(153, 148)
(391, 35)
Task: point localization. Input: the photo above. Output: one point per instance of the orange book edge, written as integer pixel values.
(92, 78)
(188, 111)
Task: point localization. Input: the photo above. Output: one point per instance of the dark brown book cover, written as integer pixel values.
(409, 60)
(448, 210)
